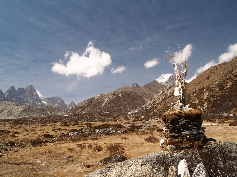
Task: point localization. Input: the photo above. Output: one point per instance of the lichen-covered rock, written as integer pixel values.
(219, 159)
(200, 171)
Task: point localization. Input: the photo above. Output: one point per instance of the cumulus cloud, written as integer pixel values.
(119, 69)
(40, 95)
(230, 54)
(181, 56)
(91, 63)
(151, 63)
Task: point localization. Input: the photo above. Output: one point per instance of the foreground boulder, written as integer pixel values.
(218, 159)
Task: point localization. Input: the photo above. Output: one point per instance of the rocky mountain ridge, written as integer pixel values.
(23, 96)
(29, 96)
(112, 105)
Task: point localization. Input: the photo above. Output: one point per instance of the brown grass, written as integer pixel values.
(27, 153)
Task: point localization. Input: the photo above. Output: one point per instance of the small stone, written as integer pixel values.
(162, 143)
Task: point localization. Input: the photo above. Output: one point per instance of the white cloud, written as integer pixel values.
(206, 66)
(181, 56)
(225, 57)
(119, 69)
(66, 54)
(40, 95)
(91, 63)
(135, 48)
(151, 63)
(202, 69)
(232, 52)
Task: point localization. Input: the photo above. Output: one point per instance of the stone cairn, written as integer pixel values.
(182, 129)
(182, 125)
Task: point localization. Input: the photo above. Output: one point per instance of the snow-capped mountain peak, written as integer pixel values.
(166, 79)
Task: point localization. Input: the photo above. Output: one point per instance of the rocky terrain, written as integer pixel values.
(223, 163)
(11, 110)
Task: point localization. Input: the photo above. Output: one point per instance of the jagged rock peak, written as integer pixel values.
(21, 95)
(136, 85)
(30, 87)
(166, 79)
(31, 96)
(55, 102)
(2, 96)
(70, 105)
(11, 94)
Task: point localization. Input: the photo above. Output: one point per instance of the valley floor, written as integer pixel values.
(78, 148)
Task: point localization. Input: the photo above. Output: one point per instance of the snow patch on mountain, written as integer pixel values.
(166, 79)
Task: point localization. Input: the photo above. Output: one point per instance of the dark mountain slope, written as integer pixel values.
(115, 104)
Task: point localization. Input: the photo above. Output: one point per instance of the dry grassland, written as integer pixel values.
(77, 148)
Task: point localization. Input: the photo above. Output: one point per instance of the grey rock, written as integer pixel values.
(200, 171)
(217, 159)
(113, 158)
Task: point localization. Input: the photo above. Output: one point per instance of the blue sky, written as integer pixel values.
(77, 49)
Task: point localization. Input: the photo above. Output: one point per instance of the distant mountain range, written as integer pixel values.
(30, 96)
(214, 92)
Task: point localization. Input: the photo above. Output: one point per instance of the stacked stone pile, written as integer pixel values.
(182, 129)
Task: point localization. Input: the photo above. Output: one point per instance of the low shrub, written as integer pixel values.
(151, 139)
(115, 149)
